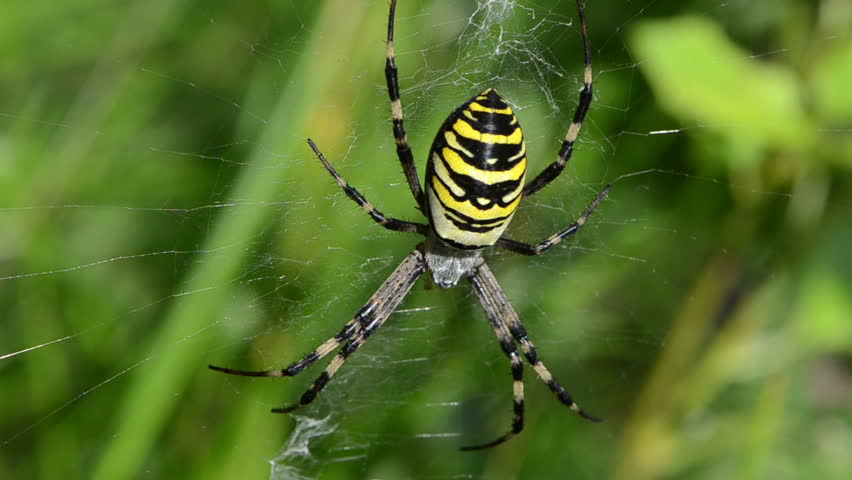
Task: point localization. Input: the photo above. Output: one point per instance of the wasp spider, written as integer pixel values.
(474, 182)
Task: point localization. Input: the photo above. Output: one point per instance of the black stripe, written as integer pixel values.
(318, 385)
(508, 347)
(364, 313)
(469, 227)
(482, 151)
(492, 100)
(565, 150)
(474, 189)
(563, 396)
(398, 129)
(532, 355)
(392, 79)
(585, 103)
(467, 219)
(460, 246)
(517, 365)
(297, 367)
(518, 420)
(490, 122)
(345, 334)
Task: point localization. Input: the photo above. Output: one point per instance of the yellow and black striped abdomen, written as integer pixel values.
(475, 173)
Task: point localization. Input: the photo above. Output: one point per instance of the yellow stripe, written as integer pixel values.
(465, 130)
(509, 196)
(452, 141)
(448, 230)
(467, 209)
(481, 108)
(485, 176)
(484, 94)
(495, 223)
(519, 154)
(444, 175)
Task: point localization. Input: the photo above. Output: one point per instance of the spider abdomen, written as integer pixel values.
(475, 172)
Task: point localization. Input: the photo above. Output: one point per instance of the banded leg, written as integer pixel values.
(511, 351)
(554, 169)
(567, 232)
(352, 327)
(403, 151)
(371, 317)
(487, 286)
(321, 381)
(375, 214)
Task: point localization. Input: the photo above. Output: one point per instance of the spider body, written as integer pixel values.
(475, 179)
(475, 173)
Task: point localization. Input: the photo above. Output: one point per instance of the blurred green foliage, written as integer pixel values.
(159, 211)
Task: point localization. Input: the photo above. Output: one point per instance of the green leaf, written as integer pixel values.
(701, 77)
(831, 81)
(823, 312)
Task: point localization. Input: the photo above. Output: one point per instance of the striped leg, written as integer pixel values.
(493, 313)
(369, 319)
(554, 169)
(567, 232)
(352, 327)
(487, 284)
(355, 195)
(335, 364)
(403, 151)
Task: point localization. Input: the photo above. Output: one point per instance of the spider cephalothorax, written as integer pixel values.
(475, 179)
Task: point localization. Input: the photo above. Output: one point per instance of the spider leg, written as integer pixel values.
(403, 151)
(487, 287)
(321, 381)
(355, 195)
(567, 232)
(554, 169)
(508, 345)
(369, 319)
(351, 328)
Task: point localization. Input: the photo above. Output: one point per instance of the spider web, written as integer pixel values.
(488, 46)
(166, 214)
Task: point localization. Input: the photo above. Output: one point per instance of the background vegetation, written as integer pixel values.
(160, 211)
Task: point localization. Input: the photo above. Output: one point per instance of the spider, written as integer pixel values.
(474, 182)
